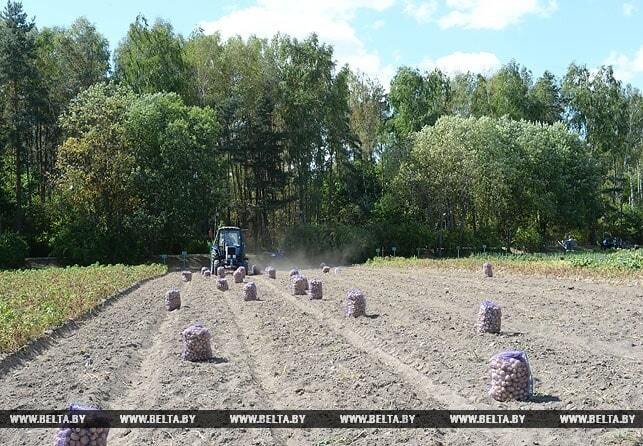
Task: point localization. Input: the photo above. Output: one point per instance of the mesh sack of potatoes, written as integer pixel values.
(222, 284)
(239, 274)
(293, 272)
(203, 269)
(487, 269)
(355, 303)
(510, 376)
(186, 276)
(489, 317)
(196, 343)
(326, 269)
(253, 270)
(299, 285)
(221, 272)
(206, 273)
(315, 289)
(83, 436)
(250, 291)
(271, 272)
(172, 299)
(303, 277)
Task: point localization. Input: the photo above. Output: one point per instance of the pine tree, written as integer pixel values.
(18, 77)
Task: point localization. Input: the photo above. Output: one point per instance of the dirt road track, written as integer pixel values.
(416, 350)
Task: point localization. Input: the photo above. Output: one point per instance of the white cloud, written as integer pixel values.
(625, 67)
(629, 8)
(458, 62)
(492, 14)
(421, 11)
(330, 19)
(378, 24)
(386, 74)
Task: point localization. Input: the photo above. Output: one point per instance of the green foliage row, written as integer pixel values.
(619, 259)
(519, 179)
(623, 262)
(626, 259)
(33, 301)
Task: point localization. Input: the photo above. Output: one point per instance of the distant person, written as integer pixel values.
(570, 243)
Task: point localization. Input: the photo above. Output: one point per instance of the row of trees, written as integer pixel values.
(134, 174)
(481, 179)
(182, 134)
(40, 73)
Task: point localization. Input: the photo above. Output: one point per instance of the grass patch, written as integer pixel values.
(33, 301)
(615, 264)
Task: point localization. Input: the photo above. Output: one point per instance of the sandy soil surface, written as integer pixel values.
(416, 349)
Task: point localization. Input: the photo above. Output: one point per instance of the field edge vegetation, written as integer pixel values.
(36, 300)
(620, 264)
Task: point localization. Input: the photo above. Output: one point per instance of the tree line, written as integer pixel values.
(119, 157)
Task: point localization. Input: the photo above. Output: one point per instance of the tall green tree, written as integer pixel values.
(358, 184)
(634, 143)
(417, 100)
(18, 81)
(69, 60)
(262, 147)
(175, 182)
(306, 70)
(545, 100)
(597, 110)
(207, 61)
(480, 105)
(135, 175)
(462, 88)
(509, 92)
(95, 177)
(150, 59)
(343, 148)
(368, 112)
(72, 59)
(237, 79)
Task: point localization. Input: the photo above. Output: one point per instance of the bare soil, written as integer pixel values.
(416, 349)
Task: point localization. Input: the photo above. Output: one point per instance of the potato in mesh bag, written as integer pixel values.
(511, 377)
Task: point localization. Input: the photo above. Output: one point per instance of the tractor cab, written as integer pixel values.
(228, 249)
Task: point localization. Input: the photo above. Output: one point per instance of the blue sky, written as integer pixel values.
(376, 36)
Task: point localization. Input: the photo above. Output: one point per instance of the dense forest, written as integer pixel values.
(125, 155)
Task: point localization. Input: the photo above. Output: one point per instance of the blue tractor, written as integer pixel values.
(228, 249)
